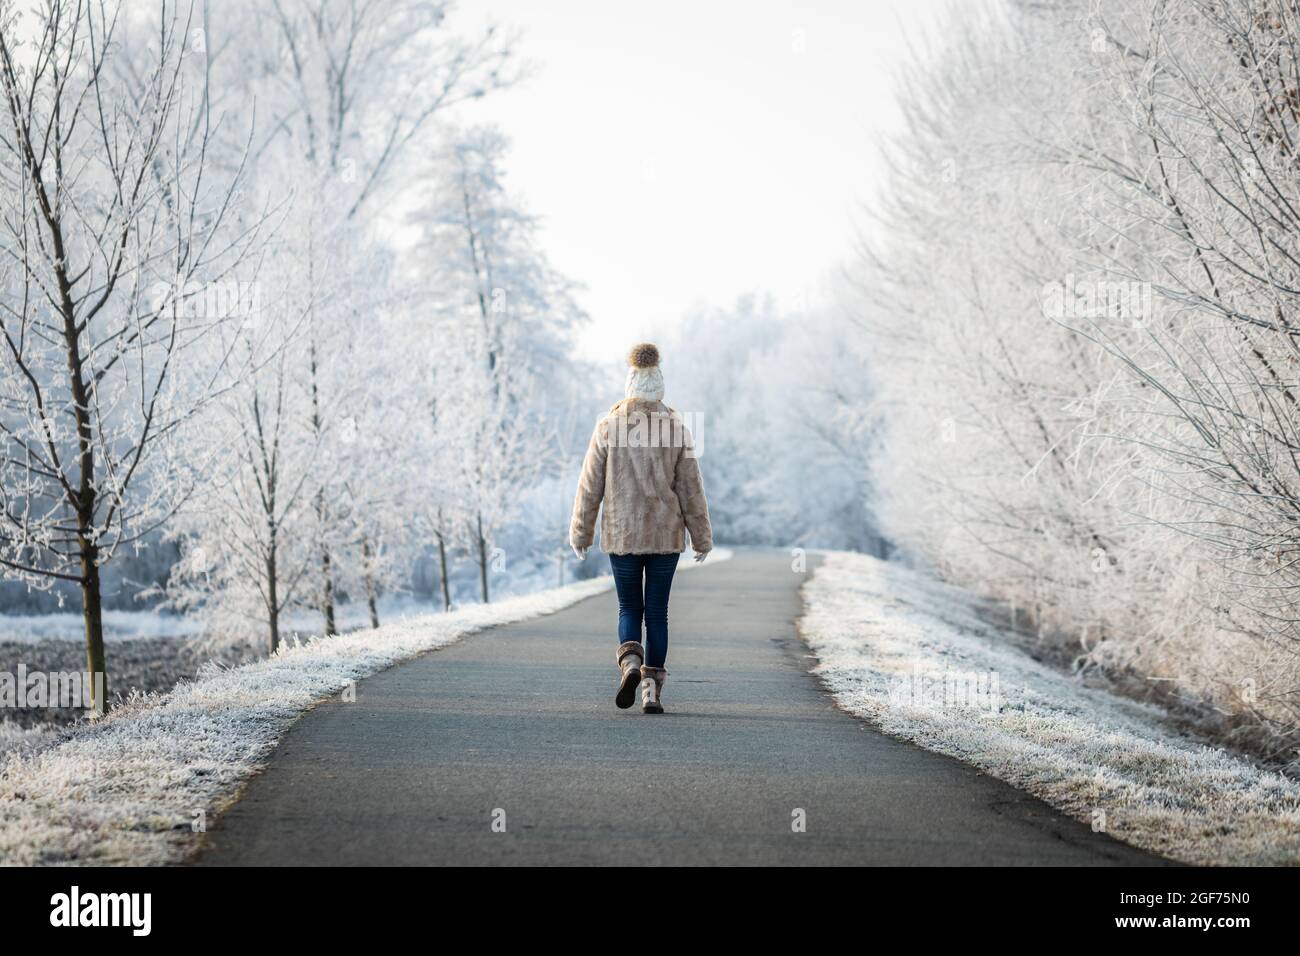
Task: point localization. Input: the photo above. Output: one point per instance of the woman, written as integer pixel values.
(641, 465)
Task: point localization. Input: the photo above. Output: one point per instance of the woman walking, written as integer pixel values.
(642, 466)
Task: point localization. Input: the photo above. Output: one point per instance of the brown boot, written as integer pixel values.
(652, 689)
(629, 673)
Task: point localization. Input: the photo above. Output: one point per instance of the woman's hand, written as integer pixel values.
(580, 553)
(700, 556)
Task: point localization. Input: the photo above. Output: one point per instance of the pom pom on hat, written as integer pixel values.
(643, 355)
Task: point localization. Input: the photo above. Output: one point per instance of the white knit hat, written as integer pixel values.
(644, 379)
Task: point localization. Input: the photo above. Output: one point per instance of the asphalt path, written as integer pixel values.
(506, 748)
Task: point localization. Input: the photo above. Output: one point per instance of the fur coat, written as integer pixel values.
(642, 467)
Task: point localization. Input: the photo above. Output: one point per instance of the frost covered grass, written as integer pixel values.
(16, 740)
(127, 790)
(910, 654)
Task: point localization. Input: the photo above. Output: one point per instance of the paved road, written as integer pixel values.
(521, 718)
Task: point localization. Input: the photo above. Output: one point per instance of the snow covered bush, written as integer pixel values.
(1081, 322)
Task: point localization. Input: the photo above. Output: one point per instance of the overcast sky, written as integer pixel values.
(686, 152)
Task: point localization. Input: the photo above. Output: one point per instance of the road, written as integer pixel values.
(514, 729)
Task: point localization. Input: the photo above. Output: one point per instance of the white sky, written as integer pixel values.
(683, 153)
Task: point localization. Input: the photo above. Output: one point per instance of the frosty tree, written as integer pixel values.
(363, 81)
(506, 316)
(246, 534)
(1083, 326)
(345, 91)
(113, 231)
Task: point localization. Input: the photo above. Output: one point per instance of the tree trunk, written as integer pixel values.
(489, 336)
(442, 563)
(327, 573)
(370, 583)
(327, 594)
(92, 610)
(560, 562)
(327, 591)
(273, 598)
(482, 558)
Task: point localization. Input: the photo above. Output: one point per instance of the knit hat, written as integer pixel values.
(644, 380)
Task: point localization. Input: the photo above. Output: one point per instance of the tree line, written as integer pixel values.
(1081, 307)
(264, 295)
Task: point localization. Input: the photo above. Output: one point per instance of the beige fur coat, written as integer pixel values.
(641, 465)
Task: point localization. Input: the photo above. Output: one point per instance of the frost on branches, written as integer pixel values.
(122, 287)
(1086, 339)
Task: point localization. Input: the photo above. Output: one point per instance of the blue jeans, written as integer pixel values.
(649, 600)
